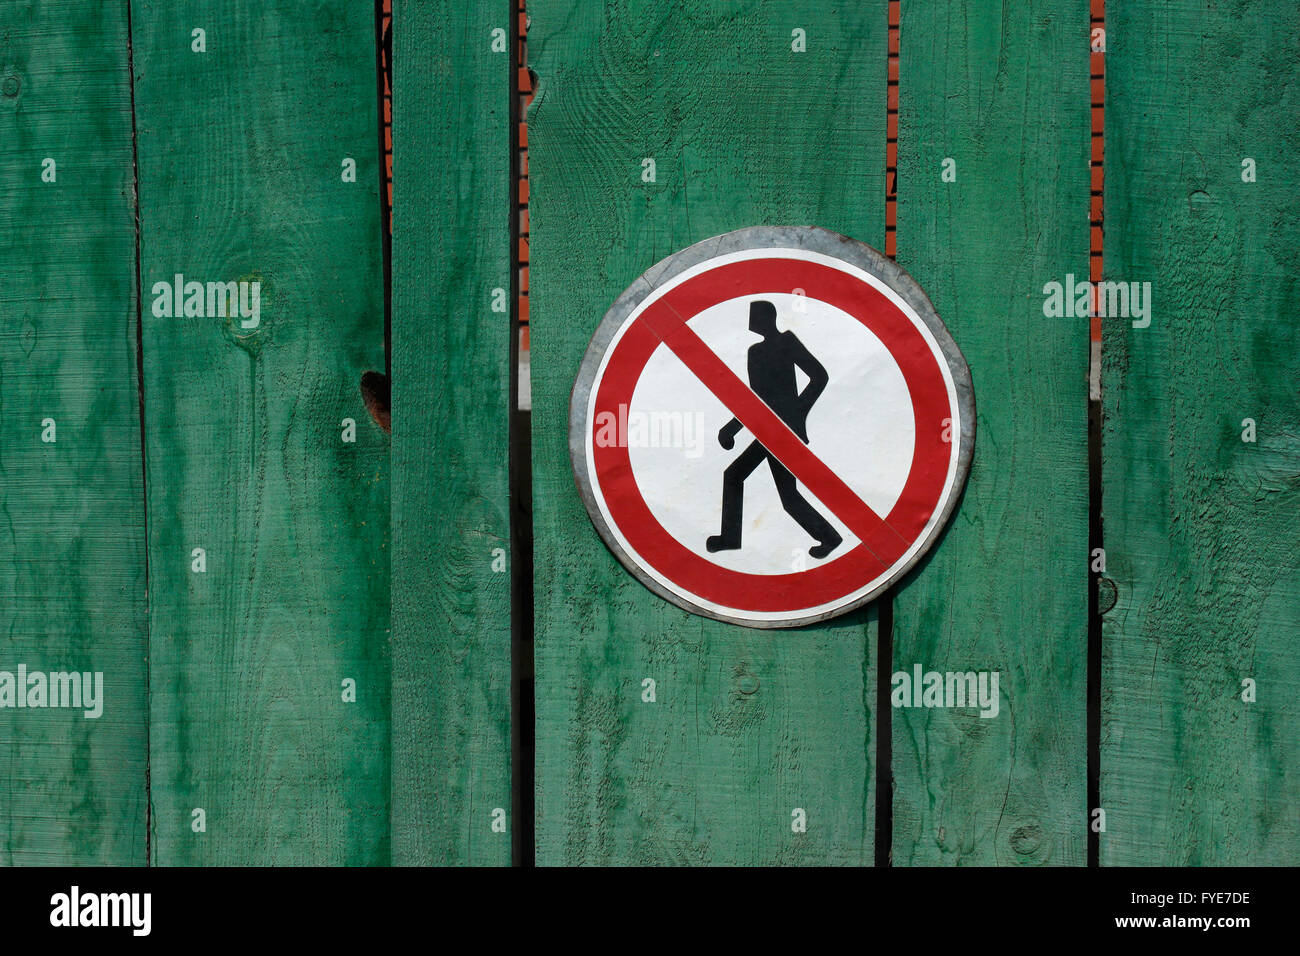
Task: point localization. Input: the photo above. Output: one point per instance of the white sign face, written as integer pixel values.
(768, 433)
(869, 444)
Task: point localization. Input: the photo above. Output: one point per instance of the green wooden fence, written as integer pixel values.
(747, 725)
(1002, 94)
(72, 538)
(195, 501)
(451, 366)
(1202, 507)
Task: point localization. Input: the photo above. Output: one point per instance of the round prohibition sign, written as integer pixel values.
(772, 426)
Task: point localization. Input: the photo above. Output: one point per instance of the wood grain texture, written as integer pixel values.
(1201, 527)
(451, 370)
(1001, 88)
(72, 578)
(240, 158)
(748, 724)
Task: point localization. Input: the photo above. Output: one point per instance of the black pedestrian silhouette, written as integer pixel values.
(771, 364)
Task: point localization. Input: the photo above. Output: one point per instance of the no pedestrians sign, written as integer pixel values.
(771, 426)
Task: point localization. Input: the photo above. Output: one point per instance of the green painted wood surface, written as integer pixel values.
(1001, 88)
(451, 362)
(1201, 527)
(748, 724)
(72, 579)
(240, 159)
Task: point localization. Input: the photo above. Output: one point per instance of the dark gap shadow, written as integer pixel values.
(376, 387)
(884, 731)
(522, 703)
(1094, 630)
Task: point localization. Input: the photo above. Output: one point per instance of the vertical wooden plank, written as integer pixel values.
(1002, 90)
(72, 580)
(451, 371)
(242, 178)
(1200, 525)
(748, 724)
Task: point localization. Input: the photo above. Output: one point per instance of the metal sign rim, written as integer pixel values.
(812, 239)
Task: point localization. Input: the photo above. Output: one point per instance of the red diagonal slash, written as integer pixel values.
(775, 435)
